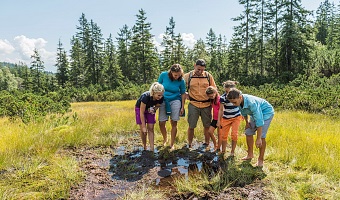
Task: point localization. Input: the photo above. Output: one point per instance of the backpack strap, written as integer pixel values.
(189, 79)
(207, 76)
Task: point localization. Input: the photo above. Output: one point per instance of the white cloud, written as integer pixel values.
(25, 46)
(157, 44)
(189, 39)
(21, 48)
(6, 47)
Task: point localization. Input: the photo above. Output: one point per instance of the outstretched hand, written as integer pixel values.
(144, 130)
(258, 143)
(247, 125)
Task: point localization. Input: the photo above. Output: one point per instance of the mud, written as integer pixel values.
(110, 173)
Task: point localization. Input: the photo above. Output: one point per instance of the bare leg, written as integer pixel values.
(143, 137)
(173, 133)
(219, 139)
(250, 145)
(224, 146)
(151, 136)
(191, 132)
(206, 135)
(163, 131)
(233, 147)
(262, 150)
(212, 136)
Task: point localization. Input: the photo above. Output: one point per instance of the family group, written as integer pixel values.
(221, 112)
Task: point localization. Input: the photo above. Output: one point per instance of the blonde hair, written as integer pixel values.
(230, 84)
(156, 87)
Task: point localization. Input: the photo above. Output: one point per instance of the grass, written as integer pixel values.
(142, 193)
(301, 158)
(306, 141)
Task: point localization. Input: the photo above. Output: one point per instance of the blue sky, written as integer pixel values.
(40, 24)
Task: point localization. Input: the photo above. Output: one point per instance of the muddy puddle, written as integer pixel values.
(132, 166)
(113, 172)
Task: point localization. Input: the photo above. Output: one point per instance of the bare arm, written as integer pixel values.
(184, 96)
(142, 119)
(247, 122)
(220, 114)
(258, 137)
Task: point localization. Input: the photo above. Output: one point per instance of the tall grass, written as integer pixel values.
(301, 158)
(306, 141)
(142, 193)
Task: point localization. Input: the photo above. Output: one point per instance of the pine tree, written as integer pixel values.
(81, 55)
(169, 44)
(77, 67)
(180, 49)
(199, 51)
(271, 33)
(95, 54)
(236, 59)
(324, 15)
(333, 30)
(27, 79)
(142, 51)
(62, 65)
(221, 60)
(295, 34)
(113, 75)
(211, 46)
(124, 43)
(37, 68)
(247, 30)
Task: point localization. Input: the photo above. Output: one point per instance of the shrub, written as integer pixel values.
(28, 106)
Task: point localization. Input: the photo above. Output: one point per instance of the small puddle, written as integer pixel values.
(163, 163)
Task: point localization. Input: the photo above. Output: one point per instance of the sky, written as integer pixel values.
(40, 24)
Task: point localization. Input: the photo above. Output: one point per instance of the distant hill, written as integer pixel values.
(7, 64)
(13, 65)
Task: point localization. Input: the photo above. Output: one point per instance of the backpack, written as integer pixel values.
(190, 77)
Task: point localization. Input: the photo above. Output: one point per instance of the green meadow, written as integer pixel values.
(302, 157)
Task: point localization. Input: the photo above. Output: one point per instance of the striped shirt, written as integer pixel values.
(229, 110)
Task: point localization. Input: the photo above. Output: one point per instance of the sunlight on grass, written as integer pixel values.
(193, 183)
(288, 183)
(40, 179)
(143, 193)
(301, 157)
(306, 141)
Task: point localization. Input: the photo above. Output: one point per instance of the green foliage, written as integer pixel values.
(28, 106)
(313, 94)
(7, 80)
(95, 93)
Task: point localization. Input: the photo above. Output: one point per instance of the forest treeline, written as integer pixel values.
(279, 50)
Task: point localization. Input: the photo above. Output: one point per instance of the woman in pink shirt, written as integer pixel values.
(213, 94)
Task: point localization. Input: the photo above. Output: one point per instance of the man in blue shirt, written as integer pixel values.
(261, 114)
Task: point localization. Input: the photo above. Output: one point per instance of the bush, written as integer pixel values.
(313, 94)
(28, 106)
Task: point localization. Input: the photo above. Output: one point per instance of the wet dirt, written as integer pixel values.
(110, 173)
